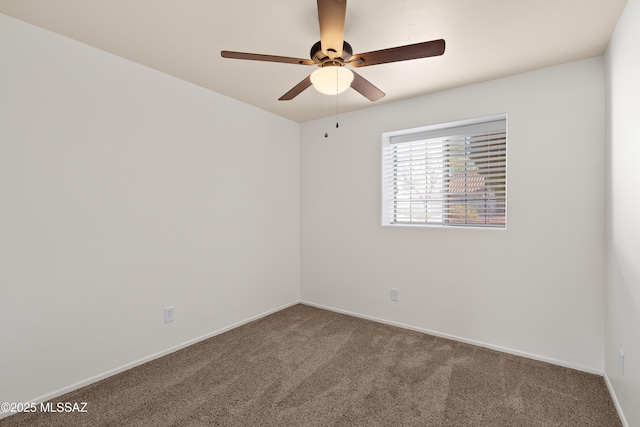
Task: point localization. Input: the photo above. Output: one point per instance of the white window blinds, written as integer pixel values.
(450, 175)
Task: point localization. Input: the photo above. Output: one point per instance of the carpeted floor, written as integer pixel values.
(304, 366)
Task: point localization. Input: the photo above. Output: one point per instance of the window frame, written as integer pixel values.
(434, 131)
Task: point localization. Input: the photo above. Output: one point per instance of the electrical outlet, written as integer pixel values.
(168, 314)
(395, 294)
(621, 363)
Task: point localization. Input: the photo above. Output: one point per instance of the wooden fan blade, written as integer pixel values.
(400, 53)
(331, 14)
(366, 88)
(267, 58)
(296, 90)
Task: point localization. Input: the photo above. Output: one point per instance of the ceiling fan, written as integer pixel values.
(332, 54)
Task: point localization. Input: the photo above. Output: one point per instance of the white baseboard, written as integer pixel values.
(138, 362)
(616, 402)
(462, 339)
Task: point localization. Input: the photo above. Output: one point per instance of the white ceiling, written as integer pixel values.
(485, 39)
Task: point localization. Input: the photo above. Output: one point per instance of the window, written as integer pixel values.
(453, 174)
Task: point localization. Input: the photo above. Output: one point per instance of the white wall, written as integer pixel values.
(535, 288)
(123, 191)
(623, 213)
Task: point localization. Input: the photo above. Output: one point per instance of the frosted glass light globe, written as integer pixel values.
(332, 80)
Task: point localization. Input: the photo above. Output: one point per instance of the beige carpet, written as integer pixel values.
(304, 366)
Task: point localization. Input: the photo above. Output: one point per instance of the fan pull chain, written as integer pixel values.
(337, 109)
(326, 117)
(337, 113)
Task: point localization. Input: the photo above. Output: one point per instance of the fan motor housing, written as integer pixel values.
(319, 57)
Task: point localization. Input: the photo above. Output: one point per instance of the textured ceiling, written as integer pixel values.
(485, 39)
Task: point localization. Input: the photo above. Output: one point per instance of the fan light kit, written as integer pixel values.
(332, 54)
(332, 80)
